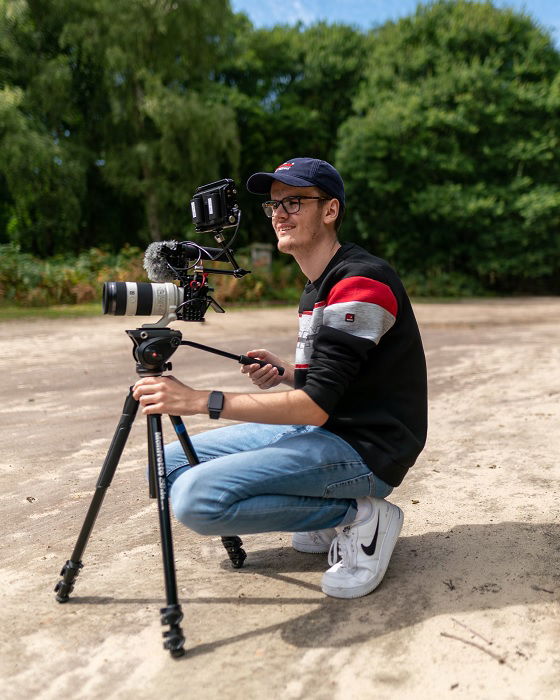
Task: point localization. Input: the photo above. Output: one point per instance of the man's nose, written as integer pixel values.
(280, 212)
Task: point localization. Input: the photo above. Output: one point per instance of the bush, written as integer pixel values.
(29, 281)
(436, 282)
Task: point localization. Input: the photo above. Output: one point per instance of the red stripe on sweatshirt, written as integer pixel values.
(363, 289)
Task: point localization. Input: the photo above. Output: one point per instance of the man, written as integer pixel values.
(317, 459)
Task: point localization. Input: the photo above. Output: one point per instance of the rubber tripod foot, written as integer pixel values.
(236, 553)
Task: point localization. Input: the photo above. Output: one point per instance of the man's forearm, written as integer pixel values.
(294, 407)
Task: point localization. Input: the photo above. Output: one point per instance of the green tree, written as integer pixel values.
(292, 87)
(451, 158)
(110, 111)
(42, 171)
(169, 126)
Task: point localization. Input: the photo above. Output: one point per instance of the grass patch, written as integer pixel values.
(10, 312)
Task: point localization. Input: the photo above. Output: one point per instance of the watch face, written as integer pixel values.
(215, 403)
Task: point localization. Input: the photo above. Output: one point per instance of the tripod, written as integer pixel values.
(152, 349)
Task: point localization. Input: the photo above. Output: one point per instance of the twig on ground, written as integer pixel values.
(499, 658)
(476, 634)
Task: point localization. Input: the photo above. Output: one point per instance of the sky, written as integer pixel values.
(369, 13)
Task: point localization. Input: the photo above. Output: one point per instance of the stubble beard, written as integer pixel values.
(295, 248)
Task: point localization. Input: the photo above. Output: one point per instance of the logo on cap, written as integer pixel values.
(284, 166)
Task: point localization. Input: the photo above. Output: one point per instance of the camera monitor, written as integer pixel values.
(214, 206)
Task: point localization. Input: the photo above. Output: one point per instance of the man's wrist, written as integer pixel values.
(289, 375)
(200, 402)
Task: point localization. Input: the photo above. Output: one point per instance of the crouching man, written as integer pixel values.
(320, 458)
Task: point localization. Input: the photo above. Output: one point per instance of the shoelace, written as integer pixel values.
(343, 548)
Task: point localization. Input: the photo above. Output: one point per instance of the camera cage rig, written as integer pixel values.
(193, 278)
(214, 208)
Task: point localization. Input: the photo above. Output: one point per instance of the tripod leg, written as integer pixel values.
(171, 615)
(72, 567)
(185, 440)
(232, 543)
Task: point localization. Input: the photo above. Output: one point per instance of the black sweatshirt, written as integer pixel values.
(359, 356)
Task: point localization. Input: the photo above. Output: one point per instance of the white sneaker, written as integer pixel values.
(316, 542)
(360, 553)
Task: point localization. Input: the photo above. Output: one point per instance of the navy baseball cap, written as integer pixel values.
(301, 172)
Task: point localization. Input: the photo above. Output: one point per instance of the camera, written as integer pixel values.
(213, 208)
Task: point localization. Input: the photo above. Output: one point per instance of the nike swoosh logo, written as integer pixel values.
(370, 549)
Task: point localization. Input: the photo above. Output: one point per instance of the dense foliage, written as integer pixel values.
(445, 126)
(26, 280)
(453, 150)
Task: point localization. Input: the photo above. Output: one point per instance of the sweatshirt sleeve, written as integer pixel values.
(356, 315)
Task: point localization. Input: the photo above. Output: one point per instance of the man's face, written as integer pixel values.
(297, 233)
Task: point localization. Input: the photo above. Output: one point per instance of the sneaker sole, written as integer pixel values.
(310, 550)
(307, 547)
(393, 531)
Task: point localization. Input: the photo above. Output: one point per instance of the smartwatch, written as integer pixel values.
(215, 404)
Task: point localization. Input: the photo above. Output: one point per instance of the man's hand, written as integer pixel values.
(168, 395)
(266, 377)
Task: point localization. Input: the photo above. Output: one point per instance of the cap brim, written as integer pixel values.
(260, 183)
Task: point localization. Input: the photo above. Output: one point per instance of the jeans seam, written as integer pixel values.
(368, 476)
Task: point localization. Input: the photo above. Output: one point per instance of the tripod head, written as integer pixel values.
(154, 345)
(152, 349)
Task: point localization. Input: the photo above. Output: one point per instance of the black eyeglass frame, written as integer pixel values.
(273, 204)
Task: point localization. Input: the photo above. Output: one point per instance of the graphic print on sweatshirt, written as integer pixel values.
(359, 306)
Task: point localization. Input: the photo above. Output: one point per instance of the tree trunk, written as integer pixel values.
(151, 208)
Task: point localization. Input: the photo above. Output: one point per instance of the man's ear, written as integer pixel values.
(331, 210)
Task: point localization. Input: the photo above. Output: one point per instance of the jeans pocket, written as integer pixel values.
(358, 487)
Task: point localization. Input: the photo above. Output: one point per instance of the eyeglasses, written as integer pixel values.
(291, 205)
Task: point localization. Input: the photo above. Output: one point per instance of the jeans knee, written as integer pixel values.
(194, 504)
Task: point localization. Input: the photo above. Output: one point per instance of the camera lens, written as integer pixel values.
(140, 298)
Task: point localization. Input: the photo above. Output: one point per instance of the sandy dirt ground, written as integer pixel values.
(469, 605)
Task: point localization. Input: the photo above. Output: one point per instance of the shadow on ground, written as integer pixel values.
(469, 561)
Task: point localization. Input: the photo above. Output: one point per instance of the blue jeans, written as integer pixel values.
(255, 477)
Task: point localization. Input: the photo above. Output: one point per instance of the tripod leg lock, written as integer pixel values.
(64, 587)
(173, 639)
(172, 615)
